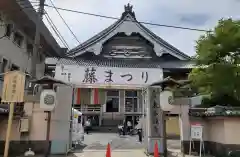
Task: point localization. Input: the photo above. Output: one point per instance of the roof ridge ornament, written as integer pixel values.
(128, 9)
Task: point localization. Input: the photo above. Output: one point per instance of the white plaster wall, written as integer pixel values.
(223, 130)
(216, 131)
(232, 129)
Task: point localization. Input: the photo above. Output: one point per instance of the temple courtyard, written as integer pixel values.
(128, 146)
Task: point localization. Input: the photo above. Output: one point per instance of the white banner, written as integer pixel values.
(108, 76)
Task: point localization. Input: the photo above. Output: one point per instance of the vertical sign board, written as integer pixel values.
(196, 134)
(13, 87)
(13, 91)
(196, 131)
(154, 118)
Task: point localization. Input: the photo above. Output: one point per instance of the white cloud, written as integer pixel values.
(156, 11)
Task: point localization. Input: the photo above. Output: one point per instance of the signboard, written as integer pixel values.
(13, 87)
(197, 134)
(84, 75)
(196, 131)
(155, 113)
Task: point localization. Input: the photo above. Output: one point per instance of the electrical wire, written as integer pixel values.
(64, 21)
(115, 18)
(53, 26)
(56, 31)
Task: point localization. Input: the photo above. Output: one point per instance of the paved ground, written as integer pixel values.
(99, 141)
(127, 146)
(114, 153)
(95, 146)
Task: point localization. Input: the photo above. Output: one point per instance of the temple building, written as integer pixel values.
(110, 70)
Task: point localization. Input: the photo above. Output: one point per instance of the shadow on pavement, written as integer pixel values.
(79, 148)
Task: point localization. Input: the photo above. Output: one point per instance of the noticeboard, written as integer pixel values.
(196, 132)
(13, 87)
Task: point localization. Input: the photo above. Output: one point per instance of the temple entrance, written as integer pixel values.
(112, 103)
(94, 120)
(133, 119)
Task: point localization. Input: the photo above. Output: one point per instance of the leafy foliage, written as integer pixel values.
(218, 61)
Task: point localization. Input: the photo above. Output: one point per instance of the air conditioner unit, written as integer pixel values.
(48, 100)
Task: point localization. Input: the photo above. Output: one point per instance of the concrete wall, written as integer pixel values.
(220, 129)
(15, 135)
(60, 123)
(220, 134)
(181, 107)
(18, 55)
(36, 138)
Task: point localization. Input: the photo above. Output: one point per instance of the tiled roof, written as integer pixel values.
(209, 112)
(127, 63)
(111, 28)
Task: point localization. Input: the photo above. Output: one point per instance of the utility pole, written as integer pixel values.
(36, 45)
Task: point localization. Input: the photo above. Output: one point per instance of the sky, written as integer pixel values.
(200, 14)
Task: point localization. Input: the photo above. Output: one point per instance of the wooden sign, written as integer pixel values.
(13, 87)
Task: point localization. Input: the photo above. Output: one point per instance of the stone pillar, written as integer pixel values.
(153, 120)
(140, 101)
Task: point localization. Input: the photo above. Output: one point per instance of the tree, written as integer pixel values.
(218, 62)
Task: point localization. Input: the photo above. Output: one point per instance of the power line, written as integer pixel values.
(56, 30)
(64, 21)
(53, 26)
(115, 18)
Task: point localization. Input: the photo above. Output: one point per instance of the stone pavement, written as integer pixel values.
(127, 146)
(114, 153)
(99, 141)
(125, 153)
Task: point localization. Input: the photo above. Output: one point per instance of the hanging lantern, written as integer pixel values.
(166, 100)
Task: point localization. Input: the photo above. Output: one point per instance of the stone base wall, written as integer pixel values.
(17, 148)
(212, 148)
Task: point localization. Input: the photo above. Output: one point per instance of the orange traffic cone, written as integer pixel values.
(108, 152)
(156, 154)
